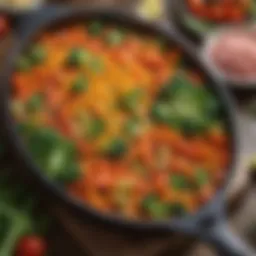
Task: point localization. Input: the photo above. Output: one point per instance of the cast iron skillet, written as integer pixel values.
(209, 224)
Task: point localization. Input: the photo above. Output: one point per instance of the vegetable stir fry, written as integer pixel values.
(111, 115)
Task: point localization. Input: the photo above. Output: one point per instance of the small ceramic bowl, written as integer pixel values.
(209, 41)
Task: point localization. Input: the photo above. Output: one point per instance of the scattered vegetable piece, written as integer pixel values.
(131, 100)
(202, 177)
(37, 54)
(116, 148)
(78, 57)
(115, 37)
(95, 128)
(80, 85)
(31, 246)
(23, 64)
(179, 182)
(95, 28)
(35, 103)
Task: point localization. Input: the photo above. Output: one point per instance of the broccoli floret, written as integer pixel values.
(95, 28)
(18, 225)
(116, 148)
(37, 54)
(115, 37)
(182, 105)
(131, 100)
(157, 209)
(53, 153)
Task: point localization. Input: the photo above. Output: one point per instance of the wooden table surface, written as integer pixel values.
(243, 221)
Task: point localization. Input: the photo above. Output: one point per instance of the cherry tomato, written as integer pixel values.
(31, 246)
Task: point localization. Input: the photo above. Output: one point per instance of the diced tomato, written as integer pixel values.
(206, 194)
(181, 165)
(217, 137)
(152, 60)
(31, 246)
(103, 178)
(217, 13)
(235, 14)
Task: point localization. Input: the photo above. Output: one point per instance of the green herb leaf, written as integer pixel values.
(78, 57)
(23, 64)
(95, 127)
(116, 148)
(177, 209)
(180, 182)
(80, 85)
(37, 54)
(202, 177)
(115, 37)
(95, 28)
(155, 207)
(131, 100)
(35, 103)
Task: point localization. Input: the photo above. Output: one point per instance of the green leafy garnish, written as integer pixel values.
(37, 54)
(131, 127)
(157, 209)
(116, 148)
(96, 65)
(180, 182)
(160, 112)
(154, 206)
(131, 100)
(52, 152)
(23, 64)
(115, 37)
(95, 28)
(78, 57)
(177, 209)
(197, 24)
(188, 108)
(35, 103)
(202, 177)
(94, 128)
(18, 215)
(80, 85)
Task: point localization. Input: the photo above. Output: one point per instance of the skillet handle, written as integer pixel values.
(226, 243)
